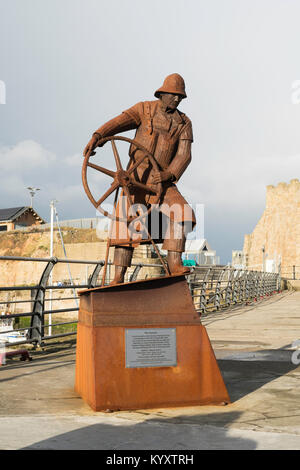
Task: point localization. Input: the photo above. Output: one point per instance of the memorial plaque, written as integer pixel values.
(150, 347)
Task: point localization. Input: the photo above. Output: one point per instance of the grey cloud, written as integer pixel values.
(70, 66)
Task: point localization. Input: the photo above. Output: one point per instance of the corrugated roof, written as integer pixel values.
(11, 213)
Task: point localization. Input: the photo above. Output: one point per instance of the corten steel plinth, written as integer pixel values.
(102, 378)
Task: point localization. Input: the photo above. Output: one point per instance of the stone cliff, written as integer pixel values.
(80, 244)
(278, 230)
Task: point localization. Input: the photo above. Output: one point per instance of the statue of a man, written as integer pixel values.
(167, 134)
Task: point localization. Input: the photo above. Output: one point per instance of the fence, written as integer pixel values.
(87, 223)
(212, 288)
(290, 272)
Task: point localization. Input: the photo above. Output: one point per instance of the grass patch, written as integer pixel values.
(24, 322)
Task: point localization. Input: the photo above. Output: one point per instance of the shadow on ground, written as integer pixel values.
(21, 378)
(41, 393)
(155, 434)
(244, 377)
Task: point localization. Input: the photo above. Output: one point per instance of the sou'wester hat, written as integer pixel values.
(173, 83)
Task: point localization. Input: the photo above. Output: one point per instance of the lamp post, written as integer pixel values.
(32, 192)
(263, 258)
(52, 209)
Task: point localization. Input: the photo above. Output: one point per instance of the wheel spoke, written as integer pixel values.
(103, 170)
(132, 168)
(113, 187)
(143, 186)
(117, 156)
(127, 192)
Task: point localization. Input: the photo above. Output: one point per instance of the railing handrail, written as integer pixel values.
(63, 260)
(212, 288)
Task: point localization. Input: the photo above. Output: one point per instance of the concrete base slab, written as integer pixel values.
(39, 408)
(118, 433)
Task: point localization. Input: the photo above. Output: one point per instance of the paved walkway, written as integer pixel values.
(40, 410)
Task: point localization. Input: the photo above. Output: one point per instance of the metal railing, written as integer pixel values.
(36, 332)
(212, 288)
(291, 272)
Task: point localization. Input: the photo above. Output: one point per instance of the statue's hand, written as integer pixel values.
(160, 176)
(91, 145)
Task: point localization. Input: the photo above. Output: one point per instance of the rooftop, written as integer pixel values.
(13, 213)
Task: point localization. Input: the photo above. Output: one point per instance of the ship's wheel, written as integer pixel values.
(125, 179)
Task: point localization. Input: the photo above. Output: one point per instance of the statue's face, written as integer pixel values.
(170, 100)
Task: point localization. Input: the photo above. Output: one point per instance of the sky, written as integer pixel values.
(68, 66)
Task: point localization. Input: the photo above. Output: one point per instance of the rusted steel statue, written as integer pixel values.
(111, 371)
(165, 133)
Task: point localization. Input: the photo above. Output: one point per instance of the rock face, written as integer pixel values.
(80, 244)
(278, 231)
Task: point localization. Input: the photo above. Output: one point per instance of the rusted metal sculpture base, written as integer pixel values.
(102, 378)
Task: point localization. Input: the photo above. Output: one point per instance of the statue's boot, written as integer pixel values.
(175, 263)
(174, 243)
(120, 272)
(122, 260)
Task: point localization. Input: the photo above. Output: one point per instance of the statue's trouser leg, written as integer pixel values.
(174, 243)
(122, 260)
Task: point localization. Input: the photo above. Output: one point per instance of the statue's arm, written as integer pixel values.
(181, 160)
(126, 121)
(177, 166)
(122, 123)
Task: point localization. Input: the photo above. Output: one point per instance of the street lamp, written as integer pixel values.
(32, 192)
(264, 256)
(52, 207)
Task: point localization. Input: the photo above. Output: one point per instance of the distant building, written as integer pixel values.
(238, 259)
(197, 253)
(15, 218)
(200, 252)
